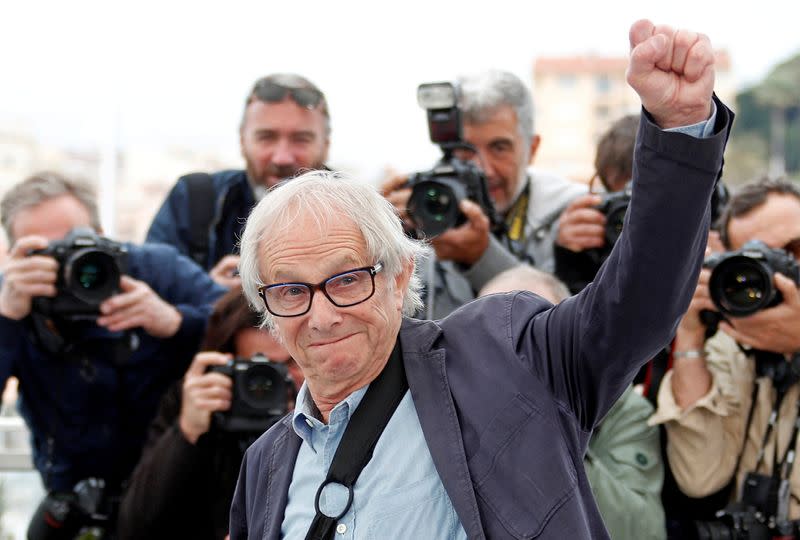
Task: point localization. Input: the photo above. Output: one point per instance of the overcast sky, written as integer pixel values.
(177, 72)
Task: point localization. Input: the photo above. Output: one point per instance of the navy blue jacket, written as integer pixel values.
(96, 413)
(509, 388)
(232, 204)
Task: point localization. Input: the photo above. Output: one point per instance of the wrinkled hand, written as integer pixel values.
(673, 73)
(225, 272)
(25, 277)
(203, 394)
(139, 306)
(581, 226)
(466, 243)
(775, 329)
(395, 191)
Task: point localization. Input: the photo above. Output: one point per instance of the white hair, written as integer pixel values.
(324, 194)
(483, 93)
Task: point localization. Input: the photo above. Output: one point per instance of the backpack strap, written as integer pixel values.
(200, 187)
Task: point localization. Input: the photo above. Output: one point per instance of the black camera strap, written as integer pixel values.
(360, 437)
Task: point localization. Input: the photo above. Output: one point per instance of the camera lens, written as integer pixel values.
(740, 286)
(433, 205)
(91, 275)
(437, 204)
(262, 387)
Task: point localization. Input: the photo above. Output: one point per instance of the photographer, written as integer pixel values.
(91, 368)
(730, 401)
(497, 110)
(183, 485)
(583, 236)
(285, 128)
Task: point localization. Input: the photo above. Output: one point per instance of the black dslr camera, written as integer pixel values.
(741, 281)
(261, 390)
(85, 513)
(436, 194)
(90, 268)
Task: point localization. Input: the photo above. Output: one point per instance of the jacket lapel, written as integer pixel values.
(279, 476)
(427, 379)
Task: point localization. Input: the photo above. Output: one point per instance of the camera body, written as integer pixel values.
(261, 389)
(89, 269)
(86, 513)
(436, 194)
(741, 281)
(614, 206)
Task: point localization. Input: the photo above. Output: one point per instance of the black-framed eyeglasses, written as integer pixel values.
(271, 91)
(343, 290)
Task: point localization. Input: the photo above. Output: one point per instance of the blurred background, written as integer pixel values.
(131, 95)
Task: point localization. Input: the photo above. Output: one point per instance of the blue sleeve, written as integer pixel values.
(592, 345)
(171, 223)
(13, 340)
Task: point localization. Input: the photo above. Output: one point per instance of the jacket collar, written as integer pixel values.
(426, 372)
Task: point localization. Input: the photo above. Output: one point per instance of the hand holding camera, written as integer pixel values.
(582, 225)
(26, 277)
(226, 272)
(204, 392)
(138, 306)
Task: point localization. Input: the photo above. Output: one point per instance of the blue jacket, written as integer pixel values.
(509, 388)
(89, 418)
(233, 201)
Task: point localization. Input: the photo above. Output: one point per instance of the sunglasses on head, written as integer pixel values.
(272, 92)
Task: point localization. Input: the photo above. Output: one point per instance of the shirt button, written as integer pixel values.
(309, 422)
(341, 528)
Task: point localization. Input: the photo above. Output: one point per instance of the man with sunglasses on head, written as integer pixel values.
(285, 129)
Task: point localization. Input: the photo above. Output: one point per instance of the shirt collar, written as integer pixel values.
(305, 418)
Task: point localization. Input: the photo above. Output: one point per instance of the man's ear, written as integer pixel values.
(401, 282)
(535, 140)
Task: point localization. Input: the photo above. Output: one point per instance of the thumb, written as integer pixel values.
(127, 283)
(788, 289)
(640, 31)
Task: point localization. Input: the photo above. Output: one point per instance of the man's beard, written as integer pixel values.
(272, 174)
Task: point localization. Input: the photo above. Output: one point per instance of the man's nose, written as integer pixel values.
(282, 154)
(323, 315)
(481, 159)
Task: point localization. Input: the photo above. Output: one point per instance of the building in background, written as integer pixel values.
(578, 97)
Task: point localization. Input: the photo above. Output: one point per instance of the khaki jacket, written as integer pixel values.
(704, 441)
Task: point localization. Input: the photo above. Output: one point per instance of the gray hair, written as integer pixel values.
(483, 93)
(324, 194)
(42, 187)
(526, 277)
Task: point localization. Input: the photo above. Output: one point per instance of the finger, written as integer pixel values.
(474, 214)
(699, 60)
(640, 31)
(212, 405)
(35, 277)
(584, 201)
(587, 216)
(202, 360)
(682, 42)
(645, 57)
(32, 263)
(393, 184)
(591, 230)
(133, 293)
(37, 289)
(788, 289)
(22, 246)
(227, 264)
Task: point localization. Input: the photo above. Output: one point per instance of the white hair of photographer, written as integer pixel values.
(324, 194)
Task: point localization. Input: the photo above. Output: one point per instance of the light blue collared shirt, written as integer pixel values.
(399, 493)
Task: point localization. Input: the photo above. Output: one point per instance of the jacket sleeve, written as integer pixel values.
(166, 484)
(588, 348)
(624, 467)
(171, 223)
